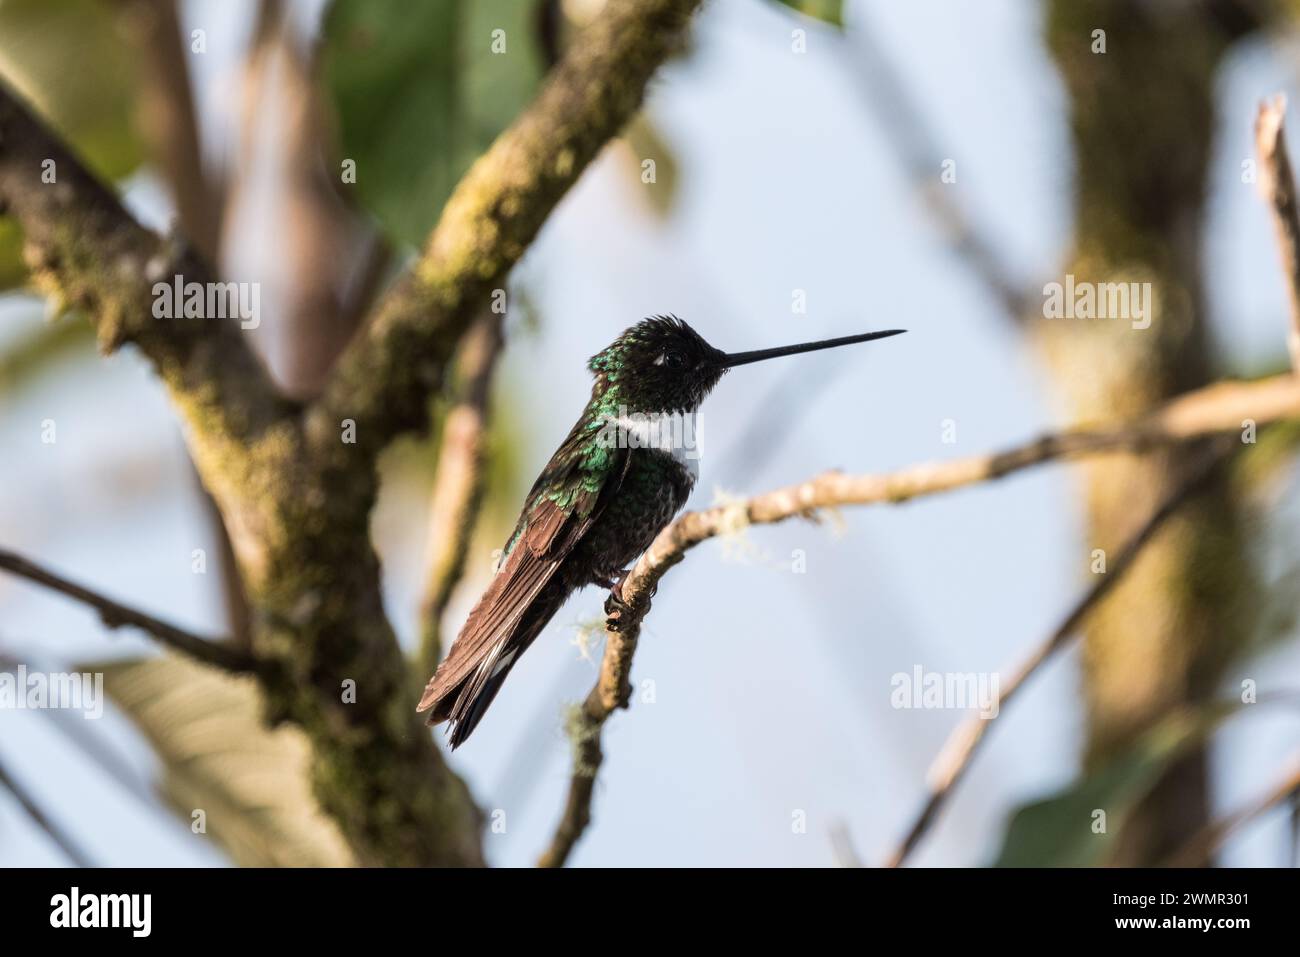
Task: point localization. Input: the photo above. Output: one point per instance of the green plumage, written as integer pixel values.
(605, 494)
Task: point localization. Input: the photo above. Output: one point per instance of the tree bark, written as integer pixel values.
(1142, 119)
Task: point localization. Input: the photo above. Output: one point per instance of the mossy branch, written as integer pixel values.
(88, 252)
(384, 380)
(460, 483)
(296, 495)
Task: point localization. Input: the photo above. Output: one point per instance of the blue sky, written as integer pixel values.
(771, 689)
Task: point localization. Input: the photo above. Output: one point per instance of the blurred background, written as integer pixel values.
(816, 171)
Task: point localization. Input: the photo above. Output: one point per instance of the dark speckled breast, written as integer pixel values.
(654, 490)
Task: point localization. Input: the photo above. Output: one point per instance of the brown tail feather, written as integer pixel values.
(465, 703)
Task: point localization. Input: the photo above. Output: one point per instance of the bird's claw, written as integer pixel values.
(617, 611)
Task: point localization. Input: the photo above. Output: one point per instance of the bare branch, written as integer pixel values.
(75, 728)
(33, 810)
(170, 122)
(956, 755)
(1277, 186)
(1202, 845)
(1217, 409)
(219, 654)
(902, 115)
(842, 849)
(385, 378)
(462, 476)
(1220, 408)
(322, 234)
(612, 690)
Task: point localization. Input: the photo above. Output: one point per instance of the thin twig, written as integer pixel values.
(612, 690)
(461, 479)
(958, 751)
(1277, 186)
(170, 122)
(903, 117)
(1199, 848)
(842, 849)
(39, 818)
(168, 118)
(219, 654)
(93, 746)
(1216, 409)
(85, 249)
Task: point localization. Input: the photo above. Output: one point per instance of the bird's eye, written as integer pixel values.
(675, 360)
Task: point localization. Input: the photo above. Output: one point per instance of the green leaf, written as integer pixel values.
(419, 94)
(13, 272)
(28, 356)
(1058, 831)
(645, 142)
(251, 783)
(70, 62)
(828, 11)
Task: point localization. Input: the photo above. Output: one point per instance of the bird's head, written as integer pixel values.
(659, 365)
(663, 365)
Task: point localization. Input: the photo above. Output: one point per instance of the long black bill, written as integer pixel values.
(758, 355)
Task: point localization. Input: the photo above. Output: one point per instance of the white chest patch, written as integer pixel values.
(676, 436)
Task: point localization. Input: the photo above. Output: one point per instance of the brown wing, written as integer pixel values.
(549, 535)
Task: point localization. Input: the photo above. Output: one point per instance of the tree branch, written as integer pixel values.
(33, 810)
(1217, 409)
(216, 653)
(613, 689)
(458, 487)
(87, 251)
(1220, 408)
(904, 120)
(170, 122)
(1202, 845)
(385, 378)
(956, 755)
(1277, 186)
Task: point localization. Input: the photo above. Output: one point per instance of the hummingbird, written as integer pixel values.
(614, 483)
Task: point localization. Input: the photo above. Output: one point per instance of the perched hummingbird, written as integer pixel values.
(608, 490)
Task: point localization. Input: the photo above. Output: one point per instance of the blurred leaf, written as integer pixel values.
(29, 356)
(419, 94)
(67, 59)
(1266, 466)
(1057, 832)
(13, 272)
(217, 756)
(645, 142)
(828, 11)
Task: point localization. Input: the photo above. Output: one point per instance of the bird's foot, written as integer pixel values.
(617, 611)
